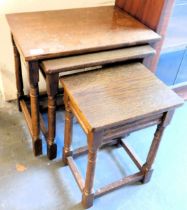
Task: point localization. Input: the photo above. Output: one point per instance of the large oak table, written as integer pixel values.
(37, 36)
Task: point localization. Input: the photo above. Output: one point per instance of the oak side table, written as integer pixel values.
(108, 106)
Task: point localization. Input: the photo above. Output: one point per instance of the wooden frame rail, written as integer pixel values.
(115, 185)
(118, 184)
(26, 112)
(131, 154)
(76, 173)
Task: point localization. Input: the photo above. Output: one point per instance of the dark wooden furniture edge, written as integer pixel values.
(50, 55)
(78, 62)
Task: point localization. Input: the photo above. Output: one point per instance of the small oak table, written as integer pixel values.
(109, 106)
(37, 36)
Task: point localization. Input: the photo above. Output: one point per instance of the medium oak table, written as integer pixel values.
(37, 36)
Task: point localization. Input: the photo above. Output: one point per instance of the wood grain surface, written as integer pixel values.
(119, 94)
(51, 34)
(96, 59)
(147, 11)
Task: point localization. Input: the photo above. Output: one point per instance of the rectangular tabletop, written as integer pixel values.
(120, 94)
(76, 62)
(50, 34)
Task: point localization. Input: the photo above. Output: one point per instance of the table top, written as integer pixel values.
(120, 94)
(50, 34)
(78, 62)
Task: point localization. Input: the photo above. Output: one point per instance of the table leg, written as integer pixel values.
(94, 142)
(52, 90)
(33, 69)
(18, 73)
(67, 151)
(154, 146)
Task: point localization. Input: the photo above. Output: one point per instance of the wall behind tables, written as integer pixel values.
(7, 78)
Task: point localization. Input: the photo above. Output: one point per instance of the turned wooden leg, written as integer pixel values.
(94, 142)
(146, 169)
(18, 74)
(67, 151)
(52, 89)
(33, 79)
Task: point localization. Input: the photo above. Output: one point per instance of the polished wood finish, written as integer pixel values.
(33, 76)
(109, 107)
(148, 11)
(94, 140)
(161, 29)
(34, 91)
(154, 14)
(18, 73)
(68, 130)
(130, 79)
(51, 34)
(96, 59)
(52, 90)
(146, 169)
